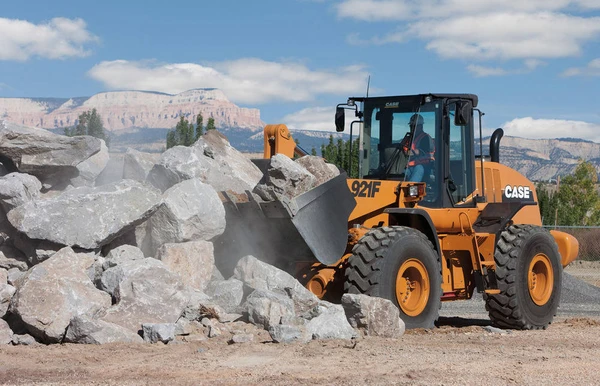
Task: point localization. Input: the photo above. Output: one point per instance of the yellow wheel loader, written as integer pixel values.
(426, 221)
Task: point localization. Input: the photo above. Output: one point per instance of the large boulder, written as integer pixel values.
(6, 334)
(285, 179)
(55, 291)
(6, 293)
(328, 321)
(226, 293)
(190, 210)
(87, 217)
(147, 292)
(317, 166)
(91, 331)
(373, 316)
(267, 309)
(137, 164)
(52, 158)
(194, 261)
(212, 159)
(18, 188)
(262, 276)
(91, 168)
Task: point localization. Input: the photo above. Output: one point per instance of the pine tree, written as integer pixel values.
(210, 125)
(95, 128)
(199, 126)
(82, 121)
(313, 151)
(89, 123)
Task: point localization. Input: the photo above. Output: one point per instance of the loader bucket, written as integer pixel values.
(312, 227)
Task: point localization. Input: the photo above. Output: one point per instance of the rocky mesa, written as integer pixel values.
(123, 110)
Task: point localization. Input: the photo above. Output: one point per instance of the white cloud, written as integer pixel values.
(482, 71)
(60, 38)
(375, 10)
(318, 119)
(248, 80)
(592, 69)
(552, 128)
(527, 30)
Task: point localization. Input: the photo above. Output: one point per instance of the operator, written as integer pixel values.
(422, 150)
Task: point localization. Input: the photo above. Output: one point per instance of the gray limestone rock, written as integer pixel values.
(285, 333)
(18, 188)
(317, 166)
(374, 316)
(190, 210)
(267, 309)
(3, 276)
(6, 293)
(226, 293)
(92, 331)
(91, 168)
(328, 321)
(12, 258)
(52, 158)
(262, 276)
(87, 217)
(158, 332)
(6, 334)
(55, 291)
(211, 159)
(15, 276)
(147, 292)
(242, 338)
(137, 164)
(285, 179)
(193, 261)
(23, 340)
(121, 254)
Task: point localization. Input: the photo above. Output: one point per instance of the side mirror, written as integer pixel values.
(463, 113)
(340, 119)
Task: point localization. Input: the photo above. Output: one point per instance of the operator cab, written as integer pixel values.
(421, 138)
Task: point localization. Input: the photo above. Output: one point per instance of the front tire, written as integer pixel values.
(529, 275)
(401, 265)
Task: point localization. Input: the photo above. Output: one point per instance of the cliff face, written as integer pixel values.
(123, 110)
(543, 159)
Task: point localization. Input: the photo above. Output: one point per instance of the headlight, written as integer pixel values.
(413, 191)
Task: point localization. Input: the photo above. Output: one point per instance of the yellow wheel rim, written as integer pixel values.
(412, 287)
(540, 279)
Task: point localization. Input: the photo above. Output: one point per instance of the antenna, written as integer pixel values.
(368, 84)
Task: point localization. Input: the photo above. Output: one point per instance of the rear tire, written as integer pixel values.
(398, 264)
(529, 275)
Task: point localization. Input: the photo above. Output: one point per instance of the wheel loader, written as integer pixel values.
(422, 224)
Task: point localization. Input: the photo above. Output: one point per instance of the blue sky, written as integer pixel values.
(535, 64)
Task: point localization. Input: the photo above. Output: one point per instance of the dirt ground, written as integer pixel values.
(568, 352)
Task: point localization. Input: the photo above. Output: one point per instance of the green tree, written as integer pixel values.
(199, 126)
(89, 123)
(577, 198)
(210, 125)
(95, 128)
(313, 151)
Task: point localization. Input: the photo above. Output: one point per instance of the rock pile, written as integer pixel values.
(86, 260)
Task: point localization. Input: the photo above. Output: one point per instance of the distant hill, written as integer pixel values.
(125, 110)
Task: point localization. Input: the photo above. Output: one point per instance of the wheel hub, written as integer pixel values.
(540, 279)
(412, 287)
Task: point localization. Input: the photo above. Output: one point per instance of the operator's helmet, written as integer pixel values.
(416, 119)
